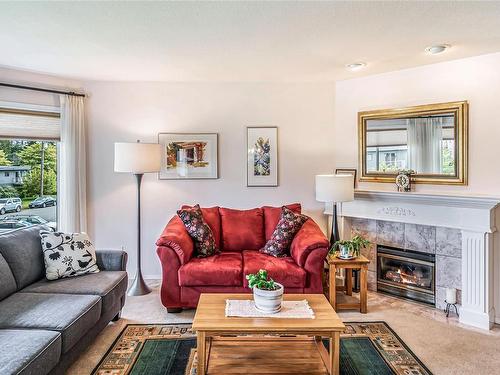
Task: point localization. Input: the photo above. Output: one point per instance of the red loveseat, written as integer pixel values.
(239, 234)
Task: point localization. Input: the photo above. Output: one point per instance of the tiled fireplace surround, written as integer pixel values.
(460, 230)
(446, 243)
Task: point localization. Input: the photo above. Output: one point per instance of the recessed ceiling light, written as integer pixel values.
(438, 48)
(355, 66)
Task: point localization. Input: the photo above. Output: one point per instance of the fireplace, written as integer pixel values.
(405, 273)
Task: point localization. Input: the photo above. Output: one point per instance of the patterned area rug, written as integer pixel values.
(369, 348)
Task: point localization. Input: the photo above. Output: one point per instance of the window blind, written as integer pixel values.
(27, 124)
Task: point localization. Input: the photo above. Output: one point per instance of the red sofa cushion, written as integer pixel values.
(283, 270)
(212, 218)
(272, 216)
(224, 269)
(242, 229)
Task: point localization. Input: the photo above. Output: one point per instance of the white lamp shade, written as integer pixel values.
(334, 188)
(137, 157)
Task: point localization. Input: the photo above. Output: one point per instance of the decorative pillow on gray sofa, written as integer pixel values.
(67, 254)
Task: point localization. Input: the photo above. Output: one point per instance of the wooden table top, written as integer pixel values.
(338, 261)
(210, 316)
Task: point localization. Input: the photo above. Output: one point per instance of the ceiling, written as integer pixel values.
(239, 41)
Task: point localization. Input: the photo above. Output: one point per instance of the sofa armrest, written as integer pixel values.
(178, 239)
(308, 238)
(111, 260)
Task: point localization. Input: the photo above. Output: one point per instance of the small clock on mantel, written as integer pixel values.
(403, 180)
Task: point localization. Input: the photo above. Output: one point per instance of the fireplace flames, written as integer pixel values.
(413, 278)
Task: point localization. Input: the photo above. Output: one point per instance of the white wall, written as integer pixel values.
(475, 79)
(130, 111)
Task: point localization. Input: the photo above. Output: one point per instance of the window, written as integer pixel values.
(29, 139)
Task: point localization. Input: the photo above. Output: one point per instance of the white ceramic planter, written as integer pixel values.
(268, 301)
(346, 253)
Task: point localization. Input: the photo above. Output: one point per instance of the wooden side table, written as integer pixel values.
(360, 263)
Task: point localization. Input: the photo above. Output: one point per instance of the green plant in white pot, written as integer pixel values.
(267, 293)
(349, 249)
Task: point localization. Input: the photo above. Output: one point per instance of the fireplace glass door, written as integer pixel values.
(406, 274)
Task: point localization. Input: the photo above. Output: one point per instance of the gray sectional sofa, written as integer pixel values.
(45, 325)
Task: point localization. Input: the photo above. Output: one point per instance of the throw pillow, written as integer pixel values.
(67, 254)
(200, 232)
(282, 237)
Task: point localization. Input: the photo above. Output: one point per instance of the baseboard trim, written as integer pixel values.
(476, 319)
(152, 277)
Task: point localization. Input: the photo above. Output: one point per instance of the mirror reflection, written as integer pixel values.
(424, 144)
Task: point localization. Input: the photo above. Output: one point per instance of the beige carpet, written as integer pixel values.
(442, 344)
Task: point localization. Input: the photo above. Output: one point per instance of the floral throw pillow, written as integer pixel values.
(200, 232)
(67, 254)
(282, 237)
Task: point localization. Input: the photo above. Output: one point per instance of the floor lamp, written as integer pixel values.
(334, 188)
(138, 158)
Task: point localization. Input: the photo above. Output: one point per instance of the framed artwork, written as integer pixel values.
(262, 156)
(188, 156)
(352, 172)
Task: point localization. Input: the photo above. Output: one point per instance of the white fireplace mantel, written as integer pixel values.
(475, 216)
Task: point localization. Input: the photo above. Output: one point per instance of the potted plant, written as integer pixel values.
(267, 293)
(349, 249)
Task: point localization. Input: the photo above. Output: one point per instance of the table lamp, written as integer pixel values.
(334, 188)
(138, 158)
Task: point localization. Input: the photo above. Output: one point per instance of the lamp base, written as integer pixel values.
(139, 287)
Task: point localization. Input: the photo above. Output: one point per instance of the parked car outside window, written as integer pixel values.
(42, 202)
(8, 225)
(10, 205)
(30, 219)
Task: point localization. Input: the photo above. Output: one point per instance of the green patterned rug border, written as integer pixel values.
(401, 342)
(384, 354)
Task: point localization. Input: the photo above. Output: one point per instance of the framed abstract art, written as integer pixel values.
(188, 156)
(262, 156)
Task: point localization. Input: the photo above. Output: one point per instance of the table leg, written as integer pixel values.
(348, 281)
(335, 353)
(333, 296)
(201, 350)
(364, 287)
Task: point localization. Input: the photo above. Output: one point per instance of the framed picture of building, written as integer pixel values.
(188, 156)
(262, 156)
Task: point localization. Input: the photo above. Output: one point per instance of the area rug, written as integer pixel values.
(366, 348)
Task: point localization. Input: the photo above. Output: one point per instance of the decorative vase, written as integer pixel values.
(346, 252)
(268, 301)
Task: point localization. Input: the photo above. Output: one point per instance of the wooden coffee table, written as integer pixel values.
(266, 345)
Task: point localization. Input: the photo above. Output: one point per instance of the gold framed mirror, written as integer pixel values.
(431, 140)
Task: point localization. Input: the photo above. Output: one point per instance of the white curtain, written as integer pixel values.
(424, 144)
(72, 189)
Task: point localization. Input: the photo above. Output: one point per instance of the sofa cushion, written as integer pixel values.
(7, 280)
(279, 243)
(272, 216)
(22, 250)
(199, 230)
(29, 351)
(111, 286)
(283, 270)
(242, 229)
(223, 269)
(212, 218)
(67, 254)
(71, 315)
